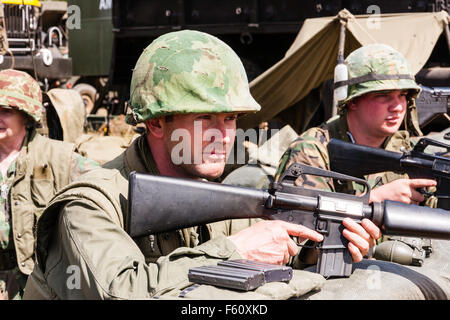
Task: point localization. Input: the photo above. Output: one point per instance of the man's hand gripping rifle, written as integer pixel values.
(359, 160)
(161, 204)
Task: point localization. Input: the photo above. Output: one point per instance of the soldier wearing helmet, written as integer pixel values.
(380, 112)
(381, 94)
(184, 84)
(33, 168)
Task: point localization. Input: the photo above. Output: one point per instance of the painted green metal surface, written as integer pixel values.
(90, 46)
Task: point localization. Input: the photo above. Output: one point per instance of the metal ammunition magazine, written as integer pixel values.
(272, 272)
(228, 277)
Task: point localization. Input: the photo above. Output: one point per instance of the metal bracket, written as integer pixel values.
(297, 169)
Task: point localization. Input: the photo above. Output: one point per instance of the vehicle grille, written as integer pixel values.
(20, 37)
(15, 21)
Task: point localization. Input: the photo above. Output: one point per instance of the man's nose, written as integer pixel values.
(221, 136)
(397, 104)
(221, 126)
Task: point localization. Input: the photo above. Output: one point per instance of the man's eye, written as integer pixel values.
(204, 117)
(231, 118)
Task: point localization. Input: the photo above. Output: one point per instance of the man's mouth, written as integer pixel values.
(214, 156)
(392, 118)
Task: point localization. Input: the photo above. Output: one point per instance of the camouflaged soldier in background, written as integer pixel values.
(33, 169)
(372, 69)
(178, 77)
(365, 64)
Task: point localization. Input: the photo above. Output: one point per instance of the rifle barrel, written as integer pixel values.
(160, 204)
(357, 160)
(415, 221)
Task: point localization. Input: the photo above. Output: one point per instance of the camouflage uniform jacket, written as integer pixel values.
(42, 167)
(311, 148)
(95, 258)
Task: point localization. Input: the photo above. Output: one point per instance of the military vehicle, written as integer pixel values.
(114, 32)
(34, 39)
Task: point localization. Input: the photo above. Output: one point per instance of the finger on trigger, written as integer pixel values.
(419, 183)
(303, 232)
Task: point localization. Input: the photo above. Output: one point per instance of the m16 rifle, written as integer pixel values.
(159, 204)
(433, 103)
(359, 160)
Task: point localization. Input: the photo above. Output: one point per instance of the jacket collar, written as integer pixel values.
(139, 158)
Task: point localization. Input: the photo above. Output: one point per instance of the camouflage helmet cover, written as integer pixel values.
(20, 91)
(378, 67)
(188, 72)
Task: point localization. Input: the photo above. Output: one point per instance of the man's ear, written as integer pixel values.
(351, 105)
(155, 127)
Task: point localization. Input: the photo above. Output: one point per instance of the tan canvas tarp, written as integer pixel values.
(312, 57)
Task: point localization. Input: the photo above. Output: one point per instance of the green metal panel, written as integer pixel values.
(90, 46)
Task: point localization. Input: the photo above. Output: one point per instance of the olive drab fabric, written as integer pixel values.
(90, 218)
(38, 177)
(302, 282)
(20, 91)
(383, 280)
(188, 72)
(99, 244)
(42, 167)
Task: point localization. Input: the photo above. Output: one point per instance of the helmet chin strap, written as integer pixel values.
(410, 121)
(405, 121)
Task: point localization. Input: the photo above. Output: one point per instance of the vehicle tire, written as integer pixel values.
(88, 94)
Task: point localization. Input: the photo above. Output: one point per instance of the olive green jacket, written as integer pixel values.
(43, 167)
(84, 252)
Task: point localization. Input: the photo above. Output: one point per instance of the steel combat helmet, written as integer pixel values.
(20, 91)
(188, 72)
(377, 67)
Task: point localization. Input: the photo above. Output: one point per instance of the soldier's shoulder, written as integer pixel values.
(100, 175)
(82, 164)
(39, 141)
(105, 187)
(311, 139)
(400, 140)
(316, 132)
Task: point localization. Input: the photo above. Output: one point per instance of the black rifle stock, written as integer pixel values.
(160, 204)
(358, 160)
